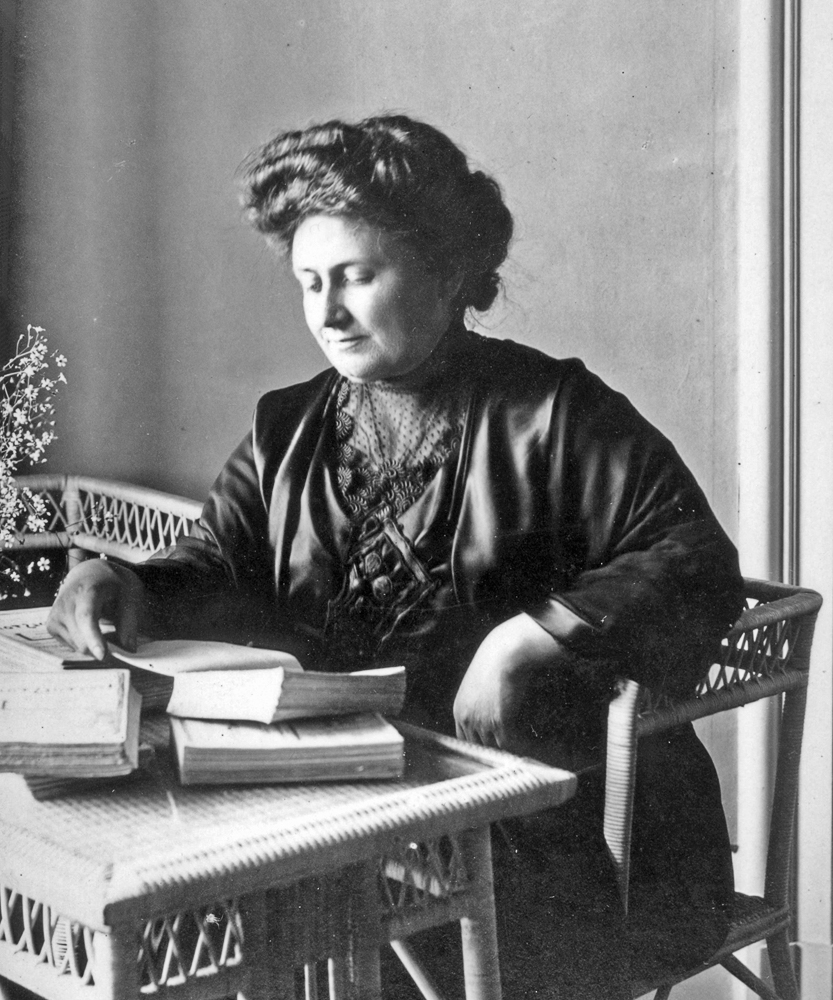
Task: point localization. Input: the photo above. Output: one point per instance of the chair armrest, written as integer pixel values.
(620, 779)
(765, 653)
(105, 516)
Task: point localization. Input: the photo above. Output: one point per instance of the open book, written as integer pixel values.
(80, 723)
(345, 748)
(26, 646)
(211, 680)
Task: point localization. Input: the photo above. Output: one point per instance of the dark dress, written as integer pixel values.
(558, 500)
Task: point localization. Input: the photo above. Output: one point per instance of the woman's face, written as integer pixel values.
(374, 309)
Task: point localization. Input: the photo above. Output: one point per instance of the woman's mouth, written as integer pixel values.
(344, 341)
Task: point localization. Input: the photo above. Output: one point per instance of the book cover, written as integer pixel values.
(342, 748)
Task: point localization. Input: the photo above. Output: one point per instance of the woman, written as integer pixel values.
(502, 522)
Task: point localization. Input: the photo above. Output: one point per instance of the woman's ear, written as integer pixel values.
(451, 285)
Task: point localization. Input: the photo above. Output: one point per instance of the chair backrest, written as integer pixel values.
(108, 517)
(766, 653)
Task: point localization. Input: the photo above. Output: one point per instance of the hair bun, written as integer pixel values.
(394, 172)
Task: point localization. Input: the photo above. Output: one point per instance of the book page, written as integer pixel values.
(176, 656)
(27, 626)
(228, 694)
(309, 735)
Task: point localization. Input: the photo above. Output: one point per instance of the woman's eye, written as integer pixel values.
(358, 277)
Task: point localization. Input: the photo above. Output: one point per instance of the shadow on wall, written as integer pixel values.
(609, 129)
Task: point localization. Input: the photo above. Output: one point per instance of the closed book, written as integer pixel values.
(341, 748)
(279, 693)
(80, 723)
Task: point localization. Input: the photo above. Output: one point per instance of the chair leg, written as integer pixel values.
(424, 982)
(780, 962)
(663, 993)
(748, 978)
(478, 928)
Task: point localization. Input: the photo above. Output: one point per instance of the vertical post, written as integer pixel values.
(815, 486)
(116, 962)
(760, 318)
(479, 929)
(268, 978)
(365, 932)
(338, 978)
(73, 514)
(8, 15)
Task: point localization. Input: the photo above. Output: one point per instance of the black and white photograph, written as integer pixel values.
(416, 500)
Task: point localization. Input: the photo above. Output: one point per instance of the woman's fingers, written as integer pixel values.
(480, 734)
(490, 704)
(90, 591)
(84, 628)
(77, 609)
(490, 738)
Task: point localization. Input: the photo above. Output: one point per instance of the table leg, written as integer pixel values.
(268, 977)
(310, 981)
(479, 929)
(116, 962)
(338, 978)
(364, 921)
(425, 984)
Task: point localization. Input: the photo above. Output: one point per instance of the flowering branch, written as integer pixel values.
(26, 430)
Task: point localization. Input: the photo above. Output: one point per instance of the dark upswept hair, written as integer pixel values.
(393, 172)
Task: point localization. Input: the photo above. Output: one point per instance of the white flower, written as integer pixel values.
(26, 430)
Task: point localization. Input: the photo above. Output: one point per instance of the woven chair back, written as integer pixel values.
(108, 517)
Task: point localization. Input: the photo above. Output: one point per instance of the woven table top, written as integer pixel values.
(148, 846)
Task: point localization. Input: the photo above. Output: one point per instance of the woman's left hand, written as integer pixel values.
(491, 697)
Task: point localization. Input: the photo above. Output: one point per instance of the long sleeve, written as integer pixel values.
(215, 582)
(221, 580)
(652, 581)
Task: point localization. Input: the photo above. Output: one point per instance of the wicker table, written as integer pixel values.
(151, 889)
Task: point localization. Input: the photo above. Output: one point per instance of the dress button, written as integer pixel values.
(372, 564)
(382, 588)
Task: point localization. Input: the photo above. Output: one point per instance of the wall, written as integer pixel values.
(610, 128)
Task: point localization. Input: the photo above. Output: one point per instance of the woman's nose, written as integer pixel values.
(336, 314)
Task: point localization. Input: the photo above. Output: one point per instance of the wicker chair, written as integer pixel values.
(766, 654)
(86, 515)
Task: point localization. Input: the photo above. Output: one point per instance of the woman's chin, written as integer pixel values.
(369, 371)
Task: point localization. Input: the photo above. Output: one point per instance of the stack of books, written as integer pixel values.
(237, 713)
(79, 724)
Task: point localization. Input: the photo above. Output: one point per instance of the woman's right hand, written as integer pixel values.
(93, 590)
